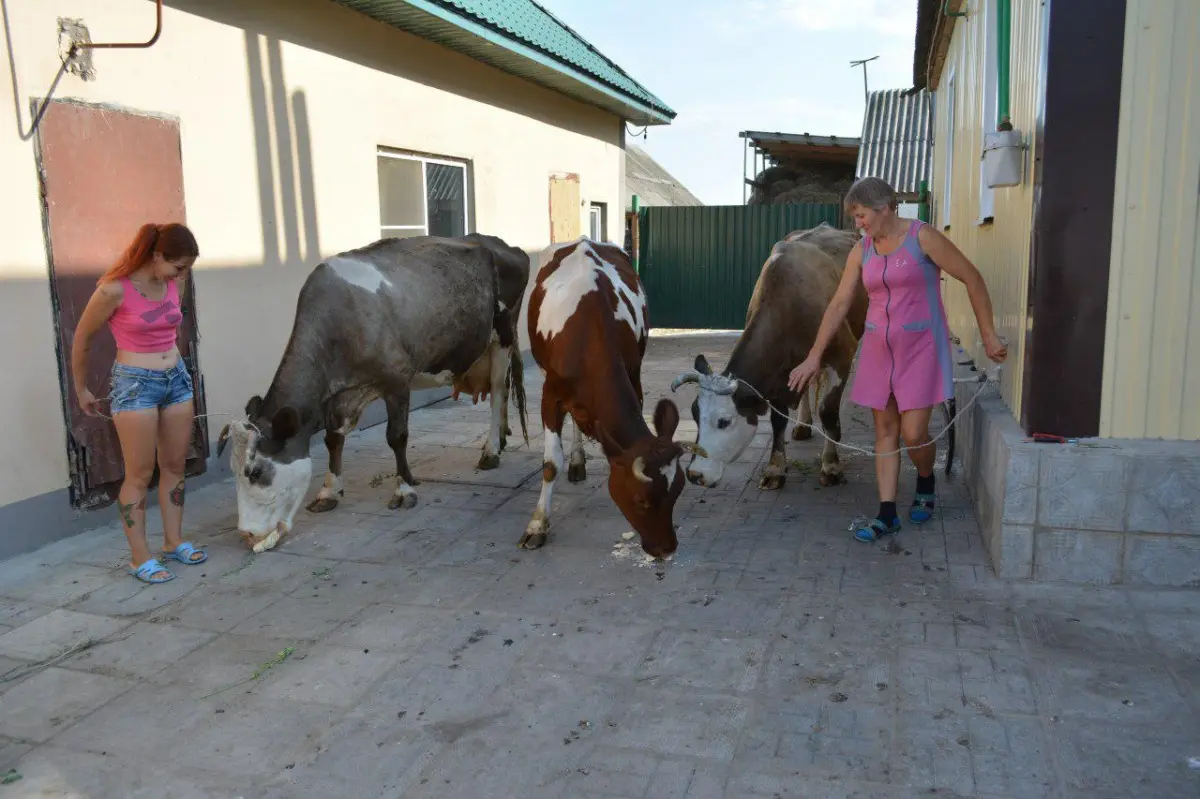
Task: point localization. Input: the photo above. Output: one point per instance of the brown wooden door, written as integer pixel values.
(564, 208)
(104, 173)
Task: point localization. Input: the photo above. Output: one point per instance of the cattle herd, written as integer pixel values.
(402, 314)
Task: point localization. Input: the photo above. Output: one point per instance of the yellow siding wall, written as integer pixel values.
(1152, 337)
(1000, 250)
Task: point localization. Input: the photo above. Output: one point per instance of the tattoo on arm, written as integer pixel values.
(127, 510)
(177, 494)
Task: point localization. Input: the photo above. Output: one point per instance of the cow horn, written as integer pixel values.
(222, 440)
(723, 385)
(639, 469)
(687, 377)
(695, 449)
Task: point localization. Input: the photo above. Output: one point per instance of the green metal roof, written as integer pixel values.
(523, 39)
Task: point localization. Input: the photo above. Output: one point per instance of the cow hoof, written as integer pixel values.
(532, 540)
(503, 443)
(403, 502)
(576, 472)
(801, 433)
(828, 479)
(488, 462)
(772, 482)
(322, 504)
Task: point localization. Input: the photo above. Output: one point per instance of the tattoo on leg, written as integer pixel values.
(177, 494)
(127, 510)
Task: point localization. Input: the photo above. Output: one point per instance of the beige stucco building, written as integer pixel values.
(281, 131)
(1091, 252)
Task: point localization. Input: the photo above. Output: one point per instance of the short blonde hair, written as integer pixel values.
(873, 193)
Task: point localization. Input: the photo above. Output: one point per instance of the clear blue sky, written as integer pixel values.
(731, 65)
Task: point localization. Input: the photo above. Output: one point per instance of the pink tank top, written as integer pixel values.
(143, 325)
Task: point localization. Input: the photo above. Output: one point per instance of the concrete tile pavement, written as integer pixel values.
(420, 654)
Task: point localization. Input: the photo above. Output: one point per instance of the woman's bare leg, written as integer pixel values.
(174, 438)
(138, 434)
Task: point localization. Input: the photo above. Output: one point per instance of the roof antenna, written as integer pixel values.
(863, 64)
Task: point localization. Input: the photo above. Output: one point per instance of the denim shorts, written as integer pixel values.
(137, 389)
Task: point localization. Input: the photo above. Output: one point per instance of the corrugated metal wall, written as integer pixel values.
(699, 264)
(1152, 336)
(999, 249)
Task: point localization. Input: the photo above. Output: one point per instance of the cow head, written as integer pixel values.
(271, 466)
(726, 415)
(646, 480)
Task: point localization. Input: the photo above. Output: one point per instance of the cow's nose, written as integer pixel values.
(695, 478)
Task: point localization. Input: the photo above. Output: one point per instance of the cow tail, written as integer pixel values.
(515, 381)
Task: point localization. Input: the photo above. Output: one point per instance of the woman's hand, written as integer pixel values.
(994, 346)
(88, 402)
(803, 373)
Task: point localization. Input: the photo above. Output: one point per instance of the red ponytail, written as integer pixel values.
(172, 241)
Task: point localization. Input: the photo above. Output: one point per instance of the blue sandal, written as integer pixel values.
(875, 530)
(184, 554)
(149, 568)
(922, 508)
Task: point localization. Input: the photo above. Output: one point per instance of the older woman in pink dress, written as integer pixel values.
(904, 364)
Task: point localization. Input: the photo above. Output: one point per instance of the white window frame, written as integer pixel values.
(424, 159)
(948, 178)
(989, 106)
(598, 210)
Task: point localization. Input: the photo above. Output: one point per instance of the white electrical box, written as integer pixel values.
(1003, 158)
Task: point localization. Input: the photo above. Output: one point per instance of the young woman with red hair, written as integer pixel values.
(150, 388)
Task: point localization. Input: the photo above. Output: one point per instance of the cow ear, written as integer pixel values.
(702, 366)
(666, 419)
(285, 423)
(253, 404)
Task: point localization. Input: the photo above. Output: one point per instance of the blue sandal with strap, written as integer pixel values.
(922, 508)
(875, 530)
(151, 567)
(185, 553)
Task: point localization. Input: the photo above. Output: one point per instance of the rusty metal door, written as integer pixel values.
(565, 216)
(104, 173)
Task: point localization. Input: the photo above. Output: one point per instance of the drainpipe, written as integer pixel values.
(1003, 48)
(636, 244)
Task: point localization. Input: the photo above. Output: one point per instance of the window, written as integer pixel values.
(989, 107)
(948, 177)
(421, 196)
(598, 219)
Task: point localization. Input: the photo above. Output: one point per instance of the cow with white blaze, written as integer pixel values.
(793, 289)
(588, 330)
(377, 323)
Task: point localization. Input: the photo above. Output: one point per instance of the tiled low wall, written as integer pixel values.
(1101, 511)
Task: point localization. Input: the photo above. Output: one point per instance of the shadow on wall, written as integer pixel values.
(351, 36)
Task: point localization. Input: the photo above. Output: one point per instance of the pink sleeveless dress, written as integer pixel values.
(905, 347)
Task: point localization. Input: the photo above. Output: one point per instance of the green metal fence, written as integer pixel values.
(699, 264)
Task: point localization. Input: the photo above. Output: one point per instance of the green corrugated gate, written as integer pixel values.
(699, 264)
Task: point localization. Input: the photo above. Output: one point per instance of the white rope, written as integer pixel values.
(984, 380)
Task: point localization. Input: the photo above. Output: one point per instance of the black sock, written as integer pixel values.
(925, 484)
(887, 512)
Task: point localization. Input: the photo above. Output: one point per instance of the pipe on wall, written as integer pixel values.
(1003, 60)
(158, 10)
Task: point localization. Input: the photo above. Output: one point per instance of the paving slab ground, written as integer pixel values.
(419, 653)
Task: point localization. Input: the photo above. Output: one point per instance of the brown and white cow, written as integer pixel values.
(588, 330)
(794, 287)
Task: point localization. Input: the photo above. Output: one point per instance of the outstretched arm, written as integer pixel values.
(952, 261)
